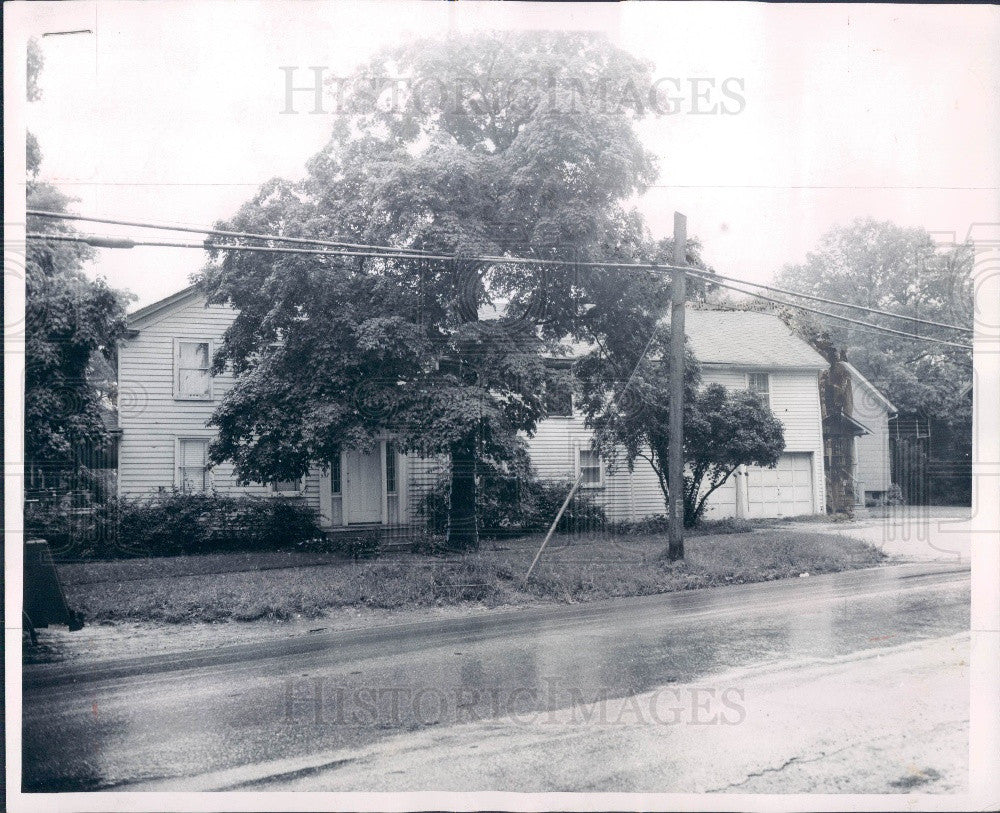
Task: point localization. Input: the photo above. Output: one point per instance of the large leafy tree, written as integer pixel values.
(334, 351)
(71, 323)
(881, 265)
(888, 267)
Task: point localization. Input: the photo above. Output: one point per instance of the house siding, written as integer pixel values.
(624, 494)
(794, 398)
(152, 420)
(872, 451)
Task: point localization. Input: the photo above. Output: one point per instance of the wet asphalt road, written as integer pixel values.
(176, 716)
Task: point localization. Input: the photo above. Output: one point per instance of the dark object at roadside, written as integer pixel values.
(44, 600)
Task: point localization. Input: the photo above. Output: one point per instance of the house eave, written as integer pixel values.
(142, 316)
(871, 388)
(765, 368)
(855, 426)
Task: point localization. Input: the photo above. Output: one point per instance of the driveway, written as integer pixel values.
(908, 533)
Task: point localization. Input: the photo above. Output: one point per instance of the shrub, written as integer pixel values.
(511, 504)
(174, 524)
(359, 545)
(656, 524)
(70, 531)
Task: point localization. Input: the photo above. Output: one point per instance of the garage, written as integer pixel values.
(784, 491)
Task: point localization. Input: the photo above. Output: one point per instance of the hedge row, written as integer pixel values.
(172, 525)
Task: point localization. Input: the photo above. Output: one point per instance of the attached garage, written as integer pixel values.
(784, 491)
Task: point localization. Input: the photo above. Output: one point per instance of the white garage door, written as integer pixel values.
(785, 491)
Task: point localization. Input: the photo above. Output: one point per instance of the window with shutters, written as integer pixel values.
(192, 369)
(192, 465)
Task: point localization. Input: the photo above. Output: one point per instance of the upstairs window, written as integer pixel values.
(559, 394)
(192, 369)
(591, 469)
(760, 383)
(192, 464)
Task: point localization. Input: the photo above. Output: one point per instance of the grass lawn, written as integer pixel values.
(248, 587)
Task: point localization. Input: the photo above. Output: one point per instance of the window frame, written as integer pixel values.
(178, 479)
(581, 450)
(299, 492)
(178, 396)
(337, 483)
(572, 394)
(391, 454)
(765, 395)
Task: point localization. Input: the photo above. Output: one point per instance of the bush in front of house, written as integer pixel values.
(514, 503)
(174, 524)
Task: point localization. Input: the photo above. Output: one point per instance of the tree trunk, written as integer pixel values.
(463, 533)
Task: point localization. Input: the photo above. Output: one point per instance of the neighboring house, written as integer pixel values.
(872, 467)
(855, 433)
(167, 395)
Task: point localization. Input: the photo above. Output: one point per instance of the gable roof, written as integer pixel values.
(735, 338)
(870, 388)
(141, 316)
(747, 339)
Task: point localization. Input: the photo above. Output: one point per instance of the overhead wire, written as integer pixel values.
(384, 252)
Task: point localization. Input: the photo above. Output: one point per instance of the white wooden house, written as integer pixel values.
(872, 410)
(167, 395)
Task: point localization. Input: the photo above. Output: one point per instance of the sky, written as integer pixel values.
(171, 112)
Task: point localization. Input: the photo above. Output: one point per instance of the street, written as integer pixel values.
(870, 658)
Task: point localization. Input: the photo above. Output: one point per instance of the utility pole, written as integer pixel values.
(675, 463)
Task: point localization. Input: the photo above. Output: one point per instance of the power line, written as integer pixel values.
(376, 250)
(124, 242)
(220, 232)
(843, 304)
(407, 253)
(111, 242)
(837, 316)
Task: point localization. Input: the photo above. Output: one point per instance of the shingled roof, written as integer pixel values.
(747, 339)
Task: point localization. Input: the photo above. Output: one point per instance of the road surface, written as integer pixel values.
(763, 661)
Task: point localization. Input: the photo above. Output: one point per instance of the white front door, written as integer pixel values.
(363, 485)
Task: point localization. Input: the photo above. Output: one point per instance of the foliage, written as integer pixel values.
(513, 501)
(171, 525)
(70, 326)
(331, 352)
(660, 524)
(885, 266)
(722, 429)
